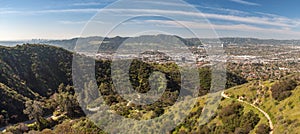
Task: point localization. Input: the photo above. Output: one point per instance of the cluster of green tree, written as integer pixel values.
(79, 126)
(66, 101)
(232, 119)
(65, 104)
(231, 79)
(11, 102)
(139, 76)
(30, 72)
(282, 89)
(76, 126)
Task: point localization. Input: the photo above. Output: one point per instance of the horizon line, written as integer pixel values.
(77, 37)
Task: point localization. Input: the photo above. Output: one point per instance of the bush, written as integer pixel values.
(18, 129)
(282, 89)
(263, 129)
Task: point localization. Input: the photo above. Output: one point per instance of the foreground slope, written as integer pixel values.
(30, 72)
(34, 72)
(283, 111)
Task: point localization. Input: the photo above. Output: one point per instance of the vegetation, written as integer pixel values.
(229, 119)
(282, 89)
(36, 79)
(284, 113)
(31, 72)
(34, 111)
(262, 129)
(66, 101)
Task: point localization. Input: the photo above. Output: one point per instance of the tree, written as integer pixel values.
(34, 111)
(282, 89)
(61, 88)
(67, 101)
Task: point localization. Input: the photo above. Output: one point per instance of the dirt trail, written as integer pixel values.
(262, 111)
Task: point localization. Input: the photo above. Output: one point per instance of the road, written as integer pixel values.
(259, 109)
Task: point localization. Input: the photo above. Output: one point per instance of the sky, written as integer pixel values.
(65, 19)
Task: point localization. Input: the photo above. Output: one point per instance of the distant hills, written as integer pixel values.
(255, 41)
(115, 42)
(112, 43)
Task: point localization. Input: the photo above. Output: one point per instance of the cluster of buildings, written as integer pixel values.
(251, 62)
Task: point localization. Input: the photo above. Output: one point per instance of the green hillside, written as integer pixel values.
(284, 111)
(34, 72)
(30, 72)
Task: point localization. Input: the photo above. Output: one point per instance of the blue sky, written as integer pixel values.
(63, 19)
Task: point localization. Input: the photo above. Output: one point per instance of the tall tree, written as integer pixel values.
(66, 100)
(34, 111)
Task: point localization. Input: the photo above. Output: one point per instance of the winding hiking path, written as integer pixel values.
(262, 111)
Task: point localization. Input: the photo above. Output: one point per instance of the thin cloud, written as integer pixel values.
(234, 27)
(264, 20)
(72, 22)
(245, 2)
(279, 18)
(67, 22)
(85, 10)
(4, 9)
(9, 12)
(224, 10)
(267, 14)
(271, 21)
(166, 3)
(88, 4)
(251, 19)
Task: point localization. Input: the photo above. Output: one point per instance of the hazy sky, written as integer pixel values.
(59, 19)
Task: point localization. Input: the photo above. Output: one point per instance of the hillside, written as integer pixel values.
(11, 103)
(283, 111)
(31, 72)
(34, 72)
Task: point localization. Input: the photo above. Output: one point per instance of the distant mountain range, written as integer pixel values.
(255, 41)
(115, 42)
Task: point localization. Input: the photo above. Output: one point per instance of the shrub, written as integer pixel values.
(282, 89)
(263, 129)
